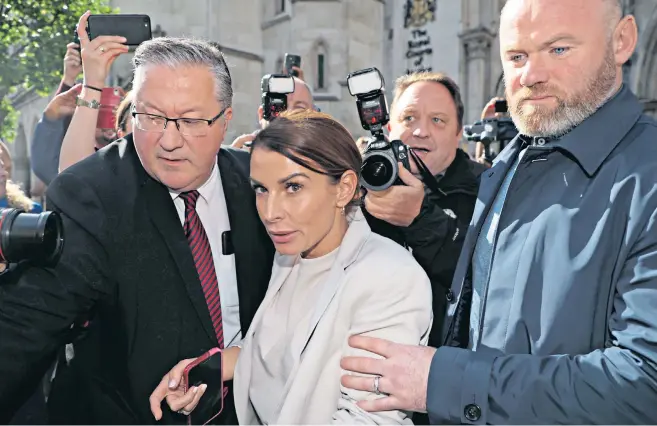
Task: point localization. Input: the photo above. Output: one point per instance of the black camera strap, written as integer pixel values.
(428, 179)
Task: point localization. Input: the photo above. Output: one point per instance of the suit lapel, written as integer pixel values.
(165, 218)
(252, 246)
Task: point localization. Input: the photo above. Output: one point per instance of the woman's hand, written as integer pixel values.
(98, 54)
(171, 389)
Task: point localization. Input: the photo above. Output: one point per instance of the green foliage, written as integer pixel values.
(33, 39)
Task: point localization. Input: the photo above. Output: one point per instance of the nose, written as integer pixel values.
(171, 139)
(421, 129)
(273, 209)
(533, 73)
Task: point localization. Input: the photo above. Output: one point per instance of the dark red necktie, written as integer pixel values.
(200, 245)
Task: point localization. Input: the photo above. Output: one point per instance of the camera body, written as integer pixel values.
(34, 237)
(275, 88)
(494, 133)
(380, 168)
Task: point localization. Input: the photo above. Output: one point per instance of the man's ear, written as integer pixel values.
(228, 115)
(626, 37)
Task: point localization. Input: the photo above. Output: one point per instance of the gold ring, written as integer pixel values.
(102, 49)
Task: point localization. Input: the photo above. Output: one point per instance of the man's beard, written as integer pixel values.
(571, 110)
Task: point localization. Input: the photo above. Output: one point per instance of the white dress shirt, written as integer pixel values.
(212, 211)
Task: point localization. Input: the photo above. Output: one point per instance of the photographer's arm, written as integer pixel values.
(39, 305)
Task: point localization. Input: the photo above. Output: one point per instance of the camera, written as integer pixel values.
(494, 133)
(380, 159)
(275, 88)
(34, 237)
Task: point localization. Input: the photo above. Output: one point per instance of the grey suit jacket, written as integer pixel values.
(375, 288)
(569, 329)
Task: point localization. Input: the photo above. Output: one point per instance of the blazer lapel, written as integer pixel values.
(165, 218)
(356, 236)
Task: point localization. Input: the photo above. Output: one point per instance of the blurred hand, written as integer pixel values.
(398, 205)
(72, 64)
(62, 105)
(4, 177)
(243, 142)
(171, 389)
(98, 54)
(300, 71)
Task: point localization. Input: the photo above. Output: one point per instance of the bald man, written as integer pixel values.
(551, 316)
(301, 98)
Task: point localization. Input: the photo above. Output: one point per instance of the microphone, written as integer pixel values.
(227, 243)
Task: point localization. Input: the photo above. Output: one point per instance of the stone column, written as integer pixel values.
(476, 83)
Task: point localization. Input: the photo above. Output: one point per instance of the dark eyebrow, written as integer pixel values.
(293, 175)
(283, 180)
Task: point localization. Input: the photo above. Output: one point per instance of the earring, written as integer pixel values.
(342, 210)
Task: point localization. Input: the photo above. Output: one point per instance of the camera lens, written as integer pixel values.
(38, 238)
(378, 172)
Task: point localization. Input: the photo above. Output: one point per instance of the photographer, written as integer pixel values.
(301, 98)
(481, 156)
(50, 130)
(427, 115)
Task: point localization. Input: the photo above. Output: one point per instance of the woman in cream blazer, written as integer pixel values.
(332, 278)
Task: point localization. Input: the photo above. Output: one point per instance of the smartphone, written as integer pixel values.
(76, 38)
(292, 61)
(206, 369)
(135, 28)
(110, 98)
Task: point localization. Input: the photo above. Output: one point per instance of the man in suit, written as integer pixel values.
(553, 315)
(164, 255)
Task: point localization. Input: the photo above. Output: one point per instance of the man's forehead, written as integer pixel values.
(301, 93)
(422, 93)
(543, 19)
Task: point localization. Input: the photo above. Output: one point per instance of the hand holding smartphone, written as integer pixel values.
(135, 28)
(206, 369)
(292, 61)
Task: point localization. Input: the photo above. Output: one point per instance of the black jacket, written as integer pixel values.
(127, 263)
(437, 234)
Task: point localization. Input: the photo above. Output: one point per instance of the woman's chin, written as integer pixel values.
(287, 249)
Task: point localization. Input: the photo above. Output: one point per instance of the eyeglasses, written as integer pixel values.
(186, 126)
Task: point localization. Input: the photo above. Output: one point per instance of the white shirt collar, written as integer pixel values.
(209, 189)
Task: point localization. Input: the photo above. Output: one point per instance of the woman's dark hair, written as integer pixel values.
(313, 140)
(123, 112)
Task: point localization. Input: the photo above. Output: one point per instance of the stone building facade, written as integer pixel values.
(335, 37)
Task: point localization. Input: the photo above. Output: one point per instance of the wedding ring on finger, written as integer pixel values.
(102, 49)
(376, 385)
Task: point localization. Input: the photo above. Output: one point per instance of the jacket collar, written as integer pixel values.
(591, 142)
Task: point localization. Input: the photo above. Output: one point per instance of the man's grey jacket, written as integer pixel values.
(568, 333)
